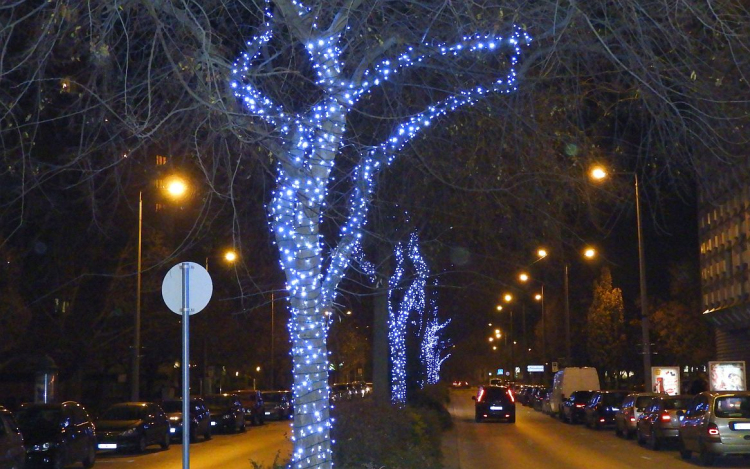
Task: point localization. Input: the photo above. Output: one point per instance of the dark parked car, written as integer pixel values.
(341, 392)
(255, 409)
(56, 435)
(12, 451)
(227, 413)
(659, 421)
(132, 426)
(494, 402)
(601, 408)
(573, 407)
(278, 404)
(200, 418)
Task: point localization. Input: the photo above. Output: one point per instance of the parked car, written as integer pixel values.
(715, 424)
(200, 418)
(278, 404)
(494, 402)
(573, 406)
(537, 399)
(12, 451)
(659, 421)
(132, 426)
(56, 435)
(255, 409)
(601, 408)
(626, 419)
(568, 380)
(341, 392)
(227, 413)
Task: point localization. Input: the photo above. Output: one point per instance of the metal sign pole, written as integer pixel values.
(185, 365)
(175, 290)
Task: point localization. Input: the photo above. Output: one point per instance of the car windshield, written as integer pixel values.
(272, 397)
(496, 393)
(40, 418)
(732, 407)
(172, 406)
(123, 413)
(613, 399)
(676, 404)
(642, 401)
(219, 401)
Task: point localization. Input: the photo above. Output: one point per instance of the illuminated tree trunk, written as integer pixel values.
(306, 147)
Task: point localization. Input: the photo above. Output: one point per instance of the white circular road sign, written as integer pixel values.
(198, 288)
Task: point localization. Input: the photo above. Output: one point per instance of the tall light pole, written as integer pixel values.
(588, 253)
(508, 298)
(524, 277)
(176, 188)
(599, 173)
(136, 367)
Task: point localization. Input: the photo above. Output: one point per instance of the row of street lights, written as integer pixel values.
(597, 173)
(176, 188)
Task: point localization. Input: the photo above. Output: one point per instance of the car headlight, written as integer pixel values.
(43, 447)
(130, 432)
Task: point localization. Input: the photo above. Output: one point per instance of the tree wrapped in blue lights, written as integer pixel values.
(401, 307)
(433, 346)
(305, 147)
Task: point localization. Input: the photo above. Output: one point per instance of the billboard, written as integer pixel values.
(665, 379)
(727, 376)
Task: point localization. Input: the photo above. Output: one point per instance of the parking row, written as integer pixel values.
(58, 434)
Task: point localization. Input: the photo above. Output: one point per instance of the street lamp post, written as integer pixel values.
(176, 187)
(136, 368)
(599, 173)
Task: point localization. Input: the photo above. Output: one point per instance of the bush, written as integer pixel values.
(434, 399)
(367, 434)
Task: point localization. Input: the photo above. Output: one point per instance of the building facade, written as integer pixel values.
(724, 229)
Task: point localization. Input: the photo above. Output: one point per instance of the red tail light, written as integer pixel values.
(580, 405)
(713, 429)
(665, 417)
(632, 418)
(481, 395)
(510, 394)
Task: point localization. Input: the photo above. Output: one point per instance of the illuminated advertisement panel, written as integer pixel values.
(665, 379)
(727, 376)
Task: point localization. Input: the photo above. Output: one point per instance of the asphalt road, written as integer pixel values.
(539, 441)
(235, 451)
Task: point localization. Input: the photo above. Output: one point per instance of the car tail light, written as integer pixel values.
(580, 405)
(510, 394)
(601, 420)
(632, 418)
(665, 417)
(481, 395)
(713, 429)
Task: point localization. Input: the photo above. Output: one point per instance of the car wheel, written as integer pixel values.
(59, 462)
(618, 431)
(653, 441)
(90, 458)
(207, 435)
(639, 437)
(243, 427)
(628, 434)
(477, 418)
(166, 441)
(706, 458)
(512, 419)
(193, 435)
(142, 444)
(684, 452)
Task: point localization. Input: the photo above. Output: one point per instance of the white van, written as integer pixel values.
(568, 380)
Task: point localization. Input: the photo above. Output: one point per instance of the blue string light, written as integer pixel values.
(312, 140)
